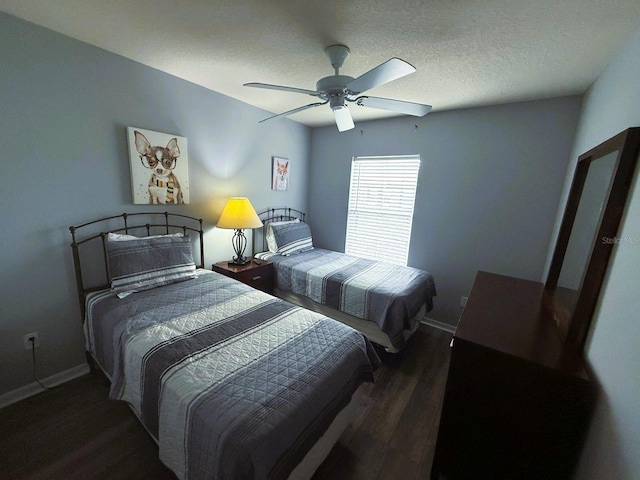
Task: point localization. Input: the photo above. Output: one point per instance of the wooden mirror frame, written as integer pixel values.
(575, 324)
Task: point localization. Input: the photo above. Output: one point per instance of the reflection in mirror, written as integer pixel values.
(585, 226)
(594, 208)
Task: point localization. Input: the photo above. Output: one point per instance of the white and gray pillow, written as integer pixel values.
(271, 239)
(292, 238)
(124, 237)
(145, 263)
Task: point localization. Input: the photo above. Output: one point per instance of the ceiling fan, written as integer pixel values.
(337, 90)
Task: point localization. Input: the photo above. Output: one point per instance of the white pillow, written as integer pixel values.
(271, 238)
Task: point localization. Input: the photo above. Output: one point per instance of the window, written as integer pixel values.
(381, 198)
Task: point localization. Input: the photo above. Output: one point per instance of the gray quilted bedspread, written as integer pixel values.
(386, 294)
(232, 383)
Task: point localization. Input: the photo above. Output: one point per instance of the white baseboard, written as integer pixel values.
(440, 325)
(33, 388)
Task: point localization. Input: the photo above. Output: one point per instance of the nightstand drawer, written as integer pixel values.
(255, 275)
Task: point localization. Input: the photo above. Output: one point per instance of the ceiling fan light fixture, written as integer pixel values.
(343, 118)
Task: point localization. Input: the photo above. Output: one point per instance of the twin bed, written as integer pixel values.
(229, 381)
(385, 302)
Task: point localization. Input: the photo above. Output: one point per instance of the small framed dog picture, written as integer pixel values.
(159, 167)
(280, 177)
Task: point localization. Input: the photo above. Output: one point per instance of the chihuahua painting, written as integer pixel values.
(280, 174)
(162, 186)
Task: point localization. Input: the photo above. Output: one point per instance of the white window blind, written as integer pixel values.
(381, 199)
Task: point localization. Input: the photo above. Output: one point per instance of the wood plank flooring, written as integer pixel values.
(76, 432)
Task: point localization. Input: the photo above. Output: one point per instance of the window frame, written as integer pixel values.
(371, 204)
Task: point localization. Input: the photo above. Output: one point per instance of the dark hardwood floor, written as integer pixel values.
(76, 432)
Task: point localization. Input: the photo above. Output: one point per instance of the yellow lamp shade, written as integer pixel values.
(238, 213)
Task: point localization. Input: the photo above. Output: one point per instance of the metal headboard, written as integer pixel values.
(154, 223)
(277, 214)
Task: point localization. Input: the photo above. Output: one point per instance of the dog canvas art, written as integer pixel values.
(280, 174)
(159, 169)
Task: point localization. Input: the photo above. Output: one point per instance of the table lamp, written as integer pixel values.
(239, 214)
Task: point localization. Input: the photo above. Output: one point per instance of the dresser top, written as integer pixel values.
(511, 315)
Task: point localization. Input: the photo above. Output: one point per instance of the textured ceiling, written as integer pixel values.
(467, 52)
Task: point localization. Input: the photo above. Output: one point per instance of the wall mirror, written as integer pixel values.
(588, 232)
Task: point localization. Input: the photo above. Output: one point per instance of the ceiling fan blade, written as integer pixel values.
(343, 118)
(390, 70)
(400, 106)
(295, 110)
(280, 87)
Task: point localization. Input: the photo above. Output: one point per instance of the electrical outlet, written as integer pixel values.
(463, 301)
(27, 340)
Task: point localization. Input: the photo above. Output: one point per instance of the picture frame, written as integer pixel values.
(159, 164)
(280, 173)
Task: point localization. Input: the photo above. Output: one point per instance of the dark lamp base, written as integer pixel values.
(235, 261)
(239, 242)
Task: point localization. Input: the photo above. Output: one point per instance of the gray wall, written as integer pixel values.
(489, 185)
(64, 109)
(613, 350)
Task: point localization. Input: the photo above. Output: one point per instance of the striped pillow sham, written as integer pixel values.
(271, 239)
(146, 263)
(292, 238)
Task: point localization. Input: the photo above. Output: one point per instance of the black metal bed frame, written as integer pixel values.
(277, 214)
(169, 225)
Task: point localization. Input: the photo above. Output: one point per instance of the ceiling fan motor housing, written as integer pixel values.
(333, 85)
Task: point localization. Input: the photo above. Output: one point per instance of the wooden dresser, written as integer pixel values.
(517, 403)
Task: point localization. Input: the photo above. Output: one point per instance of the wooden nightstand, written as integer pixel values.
(256, 275)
